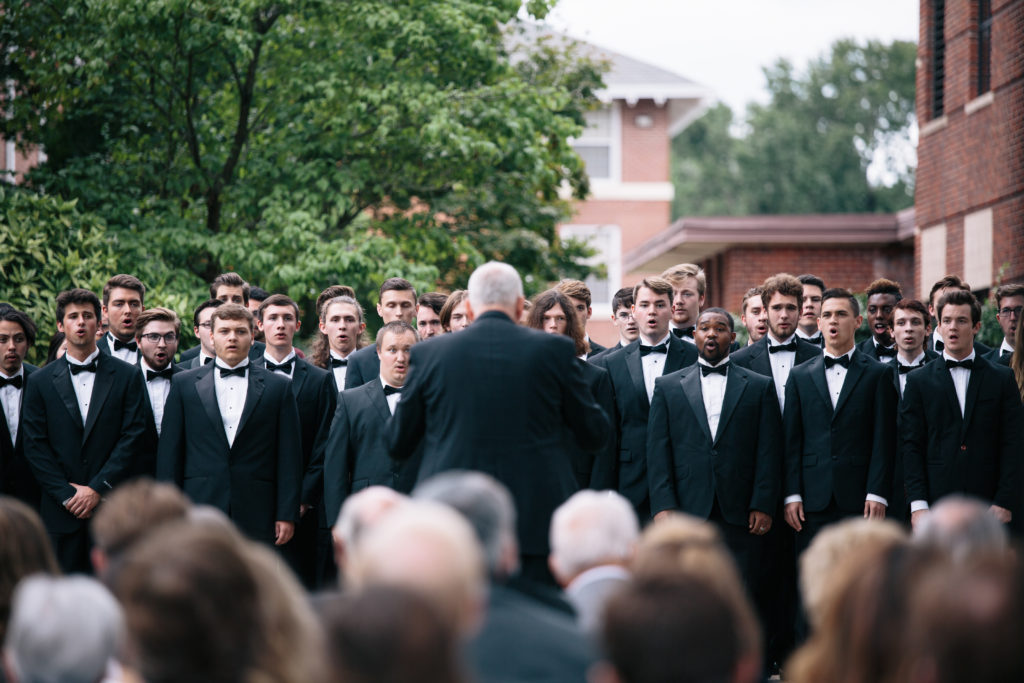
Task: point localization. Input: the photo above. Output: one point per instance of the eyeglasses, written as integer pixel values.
(207, 325)
(1015, 311)
(154, 338)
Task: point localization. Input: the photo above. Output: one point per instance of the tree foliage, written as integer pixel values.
(829, 140)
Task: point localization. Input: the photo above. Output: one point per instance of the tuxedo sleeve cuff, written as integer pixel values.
(794, 499)
(918, 505)
(877, 499)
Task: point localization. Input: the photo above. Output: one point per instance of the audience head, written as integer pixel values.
(360, 512)
(24, 550)
(454, 316)
(428, 314)
(963, 528)
(230, 288)
(397, 300)
(591, 529)
(487, 505)
(495, 286)
(553, 312)
(62, 630)
(689, 284)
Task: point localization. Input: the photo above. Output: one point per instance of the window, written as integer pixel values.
(606, 240)
(984, 46)
(938, 58)
(598, 145)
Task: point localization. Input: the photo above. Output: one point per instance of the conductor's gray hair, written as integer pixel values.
(494, 284)
(62, 630)
(590, 529)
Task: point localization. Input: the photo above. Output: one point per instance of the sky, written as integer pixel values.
(724, 43)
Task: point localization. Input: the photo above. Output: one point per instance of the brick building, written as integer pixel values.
(969, 199)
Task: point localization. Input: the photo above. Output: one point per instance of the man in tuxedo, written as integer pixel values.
(1010, 308)
(960, 420)
(633, 371)
(201, 328)
(940, 289)
(397, 302)
(579, 295)
(688, 286)
(315, 396)
(357, 455)
(810, 309)
(714, 444)
(497, 398)
(779, 351)
(911, 326)
(257, 295)
(122, 303)
(622, 318)
(883, 295)
(428, 314)
(17, 334)
(341, 321)
(156, 332)
(231, 436)
(228, 288)
(840, 428)
(754, 315)
(83, 419)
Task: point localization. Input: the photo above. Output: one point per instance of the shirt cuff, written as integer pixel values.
(918, 505)
(877, 499)
(794, 499)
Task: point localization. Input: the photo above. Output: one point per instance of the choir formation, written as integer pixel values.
(512, 505)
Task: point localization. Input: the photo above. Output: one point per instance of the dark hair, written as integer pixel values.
(258, 293)
(25, 550)
(332, 292)
(229, 280)
(399, 284)
(747, 296)
(784, 284)
(719, 311)
(812, 280)
(960, 297)
(915, 306)
(623, 297)
(162, 314)
(839, 293)
(233, 312)
(77, 296)
(948, 282)
(433, 300)
(13, 315)
(395, 327)
(544, 302)
(277, 300)
(454, 299)
(884, 286)
(133, 511)
(1007, 290)
(576, 289)
(209, 303)
(125, 282)
(55, 342)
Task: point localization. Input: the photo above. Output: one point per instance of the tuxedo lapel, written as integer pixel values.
(974, 383)
(817, 368)
(691, 388)
(636, 372)
(252, 397)
(62, 384)
(853, 375)
(379, 401)
(100, 389)
(759, 360)
(208, 400)
(949, 390)
(300, 372)
(735, 384)
(674, 357)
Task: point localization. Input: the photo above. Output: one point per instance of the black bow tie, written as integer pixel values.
(660, 348)
(388, 390)
(166, 373)
(939, 345)
(968, 364)
(683, 332)
(721, 369)
(88, 367)
(817, 340)
(885, 351)
(130, 345)
(285, 367)
(237, 372)
(842, 360)
(1005, 354)
(207, 360)
(904, 369)
(338, 362)
(12, 382)
(776, 348)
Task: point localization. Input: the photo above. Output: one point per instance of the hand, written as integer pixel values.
(82, 503)
(1001, 513)
(664, 514)
(283, 532)
(917, 517)
(873, 510)
(795, 515)
(759, 522)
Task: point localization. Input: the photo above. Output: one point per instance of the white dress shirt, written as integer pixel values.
(782, 363)
(653, 365)
(83, 383)
(10, 397)
(231, 392)
(903, 378)
(877, 345)
(813, 338)
(340, 371)
(392, 399)
(290, 357)
(157, 388)
(1005, 347)
(127, 355)
(936, 337)
(961, 376)
(712, 388)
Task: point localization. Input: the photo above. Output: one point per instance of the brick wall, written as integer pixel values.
(639, 220)
(645, 151)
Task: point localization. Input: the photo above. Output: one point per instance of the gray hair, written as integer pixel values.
(62, 630)
(485, 503)
(590, 529)
(494, 284)
(360, 510)
(962, 527)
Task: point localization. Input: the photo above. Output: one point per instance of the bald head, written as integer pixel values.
(962, 527)
(360, 512)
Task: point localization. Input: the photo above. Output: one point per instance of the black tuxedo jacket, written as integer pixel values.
(595, 469)
(757, 357)
(357, 451)
(255, 351)
(315, 399)
(16, 477)
(146, 464)
(497, 397)
(977, 453)
(363, 366)
(604, 352)
(631, 411)
(257, 480)
(688, 467)
(845, 453)
(894, 369)
(60, 450)
(595, 348)
(868, 348)
(996, 357)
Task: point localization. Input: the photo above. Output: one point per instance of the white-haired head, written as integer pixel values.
(360, 512)
(496, 286)
(963, 527)
(592, 528)
(62, 630)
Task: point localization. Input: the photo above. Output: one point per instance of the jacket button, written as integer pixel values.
(963, 447)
